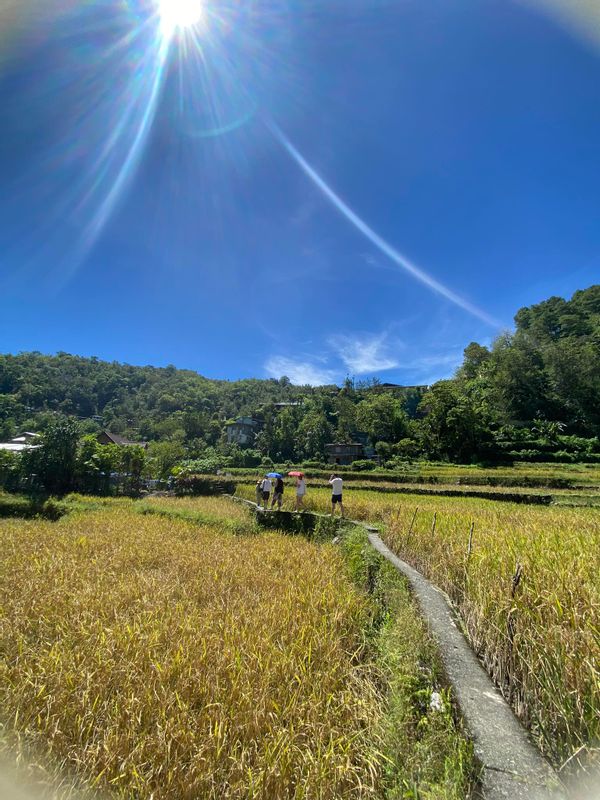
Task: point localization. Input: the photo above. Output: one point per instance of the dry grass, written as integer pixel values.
(218, 507)
(152, 658)
(540, 639)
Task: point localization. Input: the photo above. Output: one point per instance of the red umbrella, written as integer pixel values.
(296, 474)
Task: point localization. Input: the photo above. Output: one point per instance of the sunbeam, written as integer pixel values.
(179, 15)
(375, 238)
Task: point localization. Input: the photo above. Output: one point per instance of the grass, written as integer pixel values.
(427, 755)
(21, 506)
(147, 651)
(528, 592)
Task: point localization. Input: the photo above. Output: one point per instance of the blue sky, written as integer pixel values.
(314, 188)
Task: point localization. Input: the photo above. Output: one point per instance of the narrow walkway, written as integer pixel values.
(513, 768)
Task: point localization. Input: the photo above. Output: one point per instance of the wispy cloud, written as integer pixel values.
(301, 373)
(378, 241)
(363, 354)
(452, 359)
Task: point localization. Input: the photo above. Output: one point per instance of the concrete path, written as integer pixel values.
(513, 768)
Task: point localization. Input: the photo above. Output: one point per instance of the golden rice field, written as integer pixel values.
(528, 592)
(578, 473)
(145, 656)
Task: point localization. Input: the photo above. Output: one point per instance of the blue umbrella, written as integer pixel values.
(274, 475)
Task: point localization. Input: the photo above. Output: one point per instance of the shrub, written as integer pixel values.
(200, 466)
(203, 485)
(407, 448)
(364, 465)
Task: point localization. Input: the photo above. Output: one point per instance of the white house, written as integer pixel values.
(24, 441)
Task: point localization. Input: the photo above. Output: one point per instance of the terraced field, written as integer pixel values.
(162, 649)
(525, 582)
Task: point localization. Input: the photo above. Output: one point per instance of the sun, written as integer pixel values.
(179, 15)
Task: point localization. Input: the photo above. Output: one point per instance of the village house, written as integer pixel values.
(242, 431)
(24, 441)
(107, 437)
(380, 388)
(344, 454)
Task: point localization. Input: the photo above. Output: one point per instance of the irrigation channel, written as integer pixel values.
(512, 768)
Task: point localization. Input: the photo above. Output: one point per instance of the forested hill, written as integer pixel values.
(535, 391)
(147, 402)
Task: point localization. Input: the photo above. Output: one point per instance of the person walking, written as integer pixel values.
(336, 493)
(277, 494)
(258, 492)
(265, 487)
(300, 491)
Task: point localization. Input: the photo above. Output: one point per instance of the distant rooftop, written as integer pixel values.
(107, 437)
(17, 447)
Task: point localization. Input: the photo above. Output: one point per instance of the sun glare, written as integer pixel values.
(179, 15)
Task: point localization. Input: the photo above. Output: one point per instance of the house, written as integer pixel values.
(27, 437)
(24, 441)
(385, 387)
(242, 431)
(344, 453)
(380, 388)
(106, 437)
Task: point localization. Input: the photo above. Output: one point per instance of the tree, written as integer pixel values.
(314, 432)
(10, 469)
(345, 415)
(283, 447)
(475, 356)
(453, 428)
(94, 465)
(382, 417)
(133, 464)
(163, 456)
(54, 461)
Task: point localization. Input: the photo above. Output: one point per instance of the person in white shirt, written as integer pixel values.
(336, 493)
(266, 491)
(300, 492)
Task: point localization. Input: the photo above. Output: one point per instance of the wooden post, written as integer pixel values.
(433, 523)
(470, 546)
(516, 579)
(511, 630)
(412, 522)
(468, 558)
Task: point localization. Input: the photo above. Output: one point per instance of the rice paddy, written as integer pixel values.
(148, 650)
(525, 580)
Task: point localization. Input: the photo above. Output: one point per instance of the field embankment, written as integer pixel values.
(536, 484)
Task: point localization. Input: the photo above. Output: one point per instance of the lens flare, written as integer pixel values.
(179, 15)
